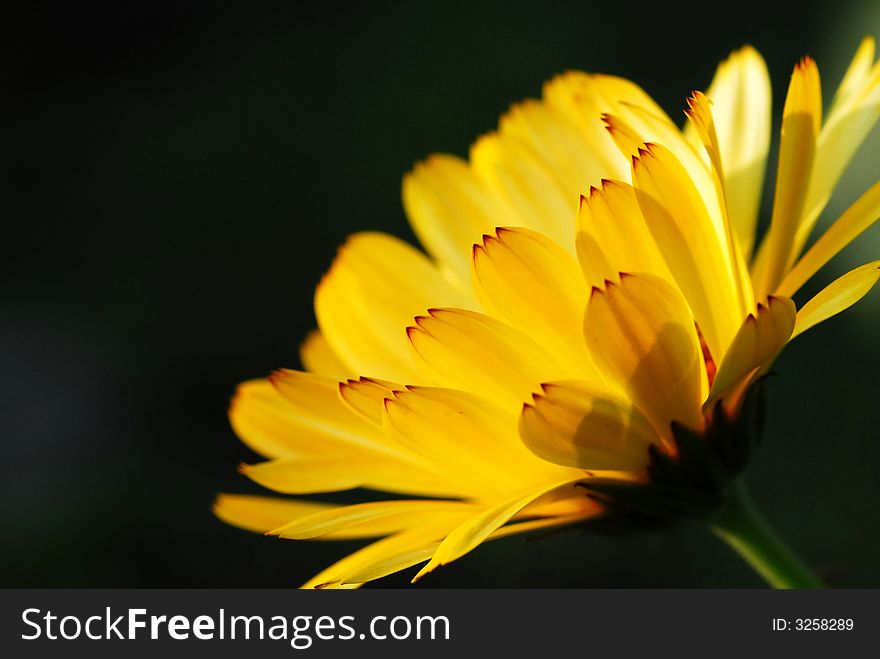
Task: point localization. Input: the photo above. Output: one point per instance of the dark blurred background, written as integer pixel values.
(177, 178)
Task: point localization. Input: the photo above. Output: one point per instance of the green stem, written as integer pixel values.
(742, 527)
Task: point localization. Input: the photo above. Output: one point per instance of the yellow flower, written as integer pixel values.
(494, 379)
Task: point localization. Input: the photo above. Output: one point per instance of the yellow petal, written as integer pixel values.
(267, 424)
(376, 286)
(466, 434)
(557, 142)
(761, 337)
(268, 514)
(578, 425)
(388, 555)
(684, 232)
(858, 73)
(319, 423)
(449, 208)
(473, 532)
(740, 95)
(585, 508)
(366, 397)
(324, 446)
(627, 139)
(839, 295)
(801, 119)
(641, 335)
(583, 98)
(262, 514)
(700, 116)
(407, 554)
(317, 356)
(535, 285)
(354, 469)
(526, 185)
(633, 126)
(853, 114)
(858, 218)
(375, 518)
(416, 545)
(475, 352)
(613, 237)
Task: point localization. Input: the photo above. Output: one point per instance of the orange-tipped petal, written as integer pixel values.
(758, 342)
(641, 335)
(578, 425)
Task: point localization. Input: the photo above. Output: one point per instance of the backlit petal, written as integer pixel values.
(583, 97)
(526, 185)
(376, 286)
(409, 548)
(578, 425)
(319, 421)
(325, 446)
(265, 421)
(858, 218)
(449, 208)
(366, 397)
(465, 434)
(528, 280)
(556, 140)
(354, 469)
(801, 119)
(685, 234)
(740, 95)
(388, 555)
(838, 296)
(633, 126)
(854, 112)
(473, 532)
(375, 518)
(317, 356)
(701, 117)
(761, 337)
(262, 514)
(613, 236)
(642, 335)
(475, 352)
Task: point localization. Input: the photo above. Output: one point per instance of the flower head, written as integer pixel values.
(592, 313)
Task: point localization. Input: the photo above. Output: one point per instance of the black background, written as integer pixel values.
(175, 180)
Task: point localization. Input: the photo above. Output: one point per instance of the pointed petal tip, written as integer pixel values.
(430, 567)
(745, 49)
(219, 501)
